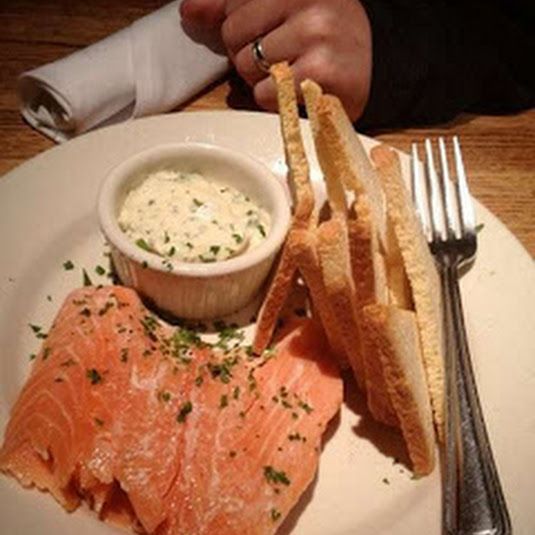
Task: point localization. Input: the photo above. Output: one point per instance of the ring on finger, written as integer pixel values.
(259, 56)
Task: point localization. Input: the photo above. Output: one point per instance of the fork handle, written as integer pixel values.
(473, 500)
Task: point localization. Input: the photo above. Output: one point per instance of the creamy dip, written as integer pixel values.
(190, 218)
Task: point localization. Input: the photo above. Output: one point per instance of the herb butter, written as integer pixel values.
(190, 218)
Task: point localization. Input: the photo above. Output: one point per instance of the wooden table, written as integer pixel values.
(499, 151)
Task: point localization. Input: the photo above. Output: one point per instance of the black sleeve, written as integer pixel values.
(435, 59)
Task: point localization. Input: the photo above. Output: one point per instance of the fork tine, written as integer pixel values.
(418, 192)
(437, 228)
(446, 189)
(466, 208)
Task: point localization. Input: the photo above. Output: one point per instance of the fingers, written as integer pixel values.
(208, 13)
(249, 20)
(318, 66)
(277, 45)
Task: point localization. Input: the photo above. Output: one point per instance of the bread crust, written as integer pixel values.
(303, 209)
(395, 334)
(421, 272)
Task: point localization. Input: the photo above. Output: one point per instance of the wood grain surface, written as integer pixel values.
(499, 152)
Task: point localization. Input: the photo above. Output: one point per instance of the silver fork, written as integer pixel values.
(473, 500)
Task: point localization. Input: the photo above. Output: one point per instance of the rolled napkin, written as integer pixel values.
(149, 67)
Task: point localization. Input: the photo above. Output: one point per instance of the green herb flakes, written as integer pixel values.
(93, 375)
(185, 409)
(142, 244)
(164, 396)
(99, 270)
(276, 477)
(86, 280)
(68, 265)
(124, 354)
(223, 401)
(275, 514)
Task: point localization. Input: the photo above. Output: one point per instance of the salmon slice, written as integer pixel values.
(166, 434)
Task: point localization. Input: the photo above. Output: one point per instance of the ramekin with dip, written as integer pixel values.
(193, 227)
(191, 218)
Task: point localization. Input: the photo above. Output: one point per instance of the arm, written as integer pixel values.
(433, 60)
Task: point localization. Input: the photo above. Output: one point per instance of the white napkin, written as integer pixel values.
(150, 67)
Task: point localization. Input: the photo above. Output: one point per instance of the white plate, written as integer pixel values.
(47, 216)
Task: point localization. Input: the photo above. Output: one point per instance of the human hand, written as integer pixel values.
(328, 41)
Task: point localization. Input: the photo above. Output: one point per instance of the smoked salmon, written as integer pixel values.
(158, 430)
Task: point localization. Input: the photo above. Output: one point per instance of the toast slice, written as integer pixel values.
(303, 205)
(350, 161)
(370, 277)
(421, 272)
(333, 252)
(395, 333)
(335, 266)
(304, 250)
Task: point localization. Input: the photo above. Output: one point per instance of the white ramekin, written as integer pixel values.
(194, 290)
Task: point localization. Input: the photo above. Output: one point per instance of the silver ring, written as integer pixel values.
(258, 55)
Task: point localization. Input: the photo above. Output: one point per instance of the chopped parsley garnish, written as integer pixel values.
(223, 370)
(275, 514)
(49, 298)
(185, 409)
(199, 380)
(85, 312)
(238, 238)
(99, 270)
(142, 244)
(276, 477)
(166, 238)
(164, 396)
(149, 324)
(223, 401)
(35, 328)
(68, 265)
(124, 354)
(32, 356)
(105, 308)
(385, 481)
(93, 376)
(46, 353)
(236, 392)
(171, 251)
(144, 264)
(296, 436)
(214, 249)
(228, 333)
(189, 245)
(86, 280)
(305, 406)
(182, 341)
(197, 203)
(206, 259)
(479, 227)
(261, 229)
